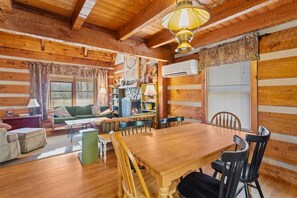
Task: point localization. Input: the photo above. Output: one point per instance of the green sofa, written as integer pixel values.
(78, 112)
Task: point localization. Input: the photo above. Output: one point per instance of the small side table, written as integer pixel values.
(22, 122)
(89, 146)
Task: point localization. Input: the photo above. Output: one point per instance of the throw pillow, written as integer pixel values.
(96, 110)
(61, 112)
(108, 111)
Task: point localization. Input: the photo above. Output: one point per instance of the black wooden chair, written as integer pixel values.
(250, 172)
(134, 127)
(199, 185)
(165, 122)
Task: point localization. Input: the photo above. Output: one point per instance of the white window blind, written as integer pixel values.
(229, 90)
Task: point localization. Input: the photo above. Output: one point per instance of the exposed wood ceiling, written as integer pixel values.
(134, 26)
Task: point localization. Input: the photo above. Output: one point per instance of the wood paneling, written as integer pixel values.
(282, 151)
(119, 67)
(278, 96)
(14, 76)
(64, 8)
(281, 40)
(14, 101)
(16, 112)
(278, 122)
(19, 89)
(6, 5)
(188, 80)
(53, 48)
(187, 112)
(184, 95)
(279, 172)
(279, 68)
(14, 64)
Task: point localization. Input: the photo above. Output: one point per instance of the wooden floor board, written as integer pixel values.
(63, 176)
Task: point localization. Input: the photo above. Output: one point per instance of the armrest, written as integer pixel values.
(12, 137)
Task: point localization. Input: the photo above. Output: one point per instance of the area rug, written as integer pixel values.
(56, 145)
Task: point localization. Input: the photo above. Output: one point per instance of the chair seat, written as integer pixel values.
(151, 184)
(199, 185)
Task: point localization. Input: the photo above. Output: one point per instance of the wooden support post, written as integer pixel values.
(162, 92)
(42, 44)
(85, 51)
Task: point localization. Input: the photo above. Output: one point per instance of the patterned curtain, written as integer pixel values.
(244, 49)
(39, 85)
(40, 81)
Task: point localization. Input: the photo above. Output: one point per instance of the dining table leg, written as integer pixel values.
(164, 192)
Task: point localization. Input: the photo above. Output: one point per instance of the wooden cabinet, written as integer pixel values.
(22, 122)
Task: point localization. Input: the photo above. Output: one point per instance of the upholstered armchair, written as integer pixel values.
(9, 145)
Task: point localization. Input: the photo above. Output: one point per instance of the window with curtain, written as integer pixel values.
(84, 91)
(229, 90)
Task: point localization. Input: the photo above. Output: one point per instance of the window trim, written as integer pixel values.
(73, 80)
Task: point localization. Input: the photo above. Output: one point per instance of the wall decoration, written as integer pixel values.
(148, 70)
(131, 68)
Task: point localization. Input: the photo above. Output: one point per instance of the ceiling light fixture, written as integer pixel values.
(184, 22)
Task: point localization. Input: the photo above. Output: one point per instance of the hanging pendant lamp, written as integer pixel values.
(184, 22)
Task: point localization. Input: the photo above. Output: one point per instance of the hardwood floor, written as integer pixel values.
(63, 176)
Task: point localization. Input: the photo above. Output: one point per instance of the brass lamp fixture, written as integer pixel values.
(184, 22)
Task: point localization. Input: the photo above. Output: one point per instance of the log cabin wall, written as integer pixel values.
(277, 102)
(186, 97)
(14, 86)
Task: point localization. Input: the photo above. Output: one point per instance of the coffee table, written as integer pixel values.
(84, 123)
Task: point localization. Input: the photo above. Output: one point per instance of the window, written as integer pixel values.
(229, 90)
(84, 92)
(68, 91)
(61, 94)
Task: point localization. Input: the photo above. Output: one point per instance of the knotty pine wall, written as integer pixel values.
(186, 97)
(277, 102)
(14, 86)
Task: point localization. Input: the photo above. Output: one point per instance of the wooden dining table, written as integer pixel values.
(171, 152)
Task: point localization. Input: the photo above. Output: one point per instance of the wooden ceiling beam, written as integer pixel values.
(6, 6)
(81, 12)
(40, 27)
(43, 56)
(147, 15)
(220, 14)
(271, 18)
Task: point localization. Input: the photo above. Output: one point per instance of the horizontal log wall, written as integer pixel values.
(277, 102)
(14, 86)
(186, 97)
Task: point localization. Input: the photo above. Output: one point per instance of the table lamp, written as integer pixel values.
(150, 91)
(33, 104)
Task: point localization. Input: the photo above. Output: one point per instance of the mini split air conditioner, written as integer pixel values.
(185, 68)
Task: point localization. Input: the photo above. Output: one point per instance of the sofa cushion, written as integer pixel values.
(85, 116)
(71, 110)
(61, 112)
(106, 112)
(62, 120)
(12, 136)
(103, 108)
(83, 110)
(3, 138)
(96, 110)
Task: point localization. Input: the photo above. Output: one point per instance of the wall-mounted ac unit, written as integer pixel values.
(185, 68)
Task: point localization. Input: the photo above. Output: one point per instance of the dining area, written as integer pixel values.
(173, 158)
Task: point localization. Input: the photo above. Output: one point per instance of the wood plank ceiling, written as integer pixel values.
(134, 26)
